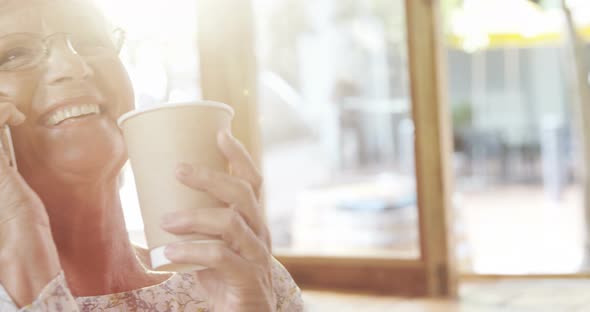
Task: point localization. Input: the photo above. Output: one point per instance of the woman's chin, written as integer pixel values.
(92, 160)
(92, 170)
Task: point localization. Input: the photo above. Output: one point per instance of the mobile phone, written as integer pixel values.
(7, 146)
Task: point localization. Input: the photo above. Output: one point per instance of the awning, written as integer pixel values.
(482, 24)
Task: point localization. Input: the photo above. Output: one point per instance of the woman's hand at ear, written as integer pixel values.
(28, 256)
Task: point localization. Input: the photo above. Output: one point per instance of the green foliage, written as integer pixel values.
(462, 115)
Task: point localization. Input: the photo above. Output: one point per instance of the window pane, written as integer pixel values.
(338, 138)
(518, 183)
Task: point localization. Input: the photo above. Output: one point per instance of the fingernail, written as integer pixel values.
(171, 252)
(184, 170)
(169, 220)
(20, 117)
(202, 173)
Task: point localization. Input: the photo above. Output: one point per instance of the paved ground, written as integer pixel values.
(517, 230)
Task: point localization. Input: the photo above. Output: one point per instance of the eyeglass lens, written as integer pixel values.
(24, 50)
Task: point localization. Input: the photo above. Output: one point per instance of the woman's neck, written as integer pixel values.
(94, 249)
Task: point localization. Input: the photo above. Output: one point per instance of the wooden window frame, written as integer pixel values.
(228, 74)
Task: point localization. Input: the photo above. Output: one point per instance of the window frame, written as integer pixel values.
(228, 74)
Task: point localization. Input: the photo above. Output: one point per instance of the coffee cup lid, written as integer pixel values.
(213, 104)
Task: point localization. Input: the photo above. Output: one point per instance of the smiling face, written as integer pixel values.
(71, 100)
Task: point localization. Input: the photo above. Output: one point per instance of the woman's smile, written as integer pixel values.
(72, 114)
(76, 111)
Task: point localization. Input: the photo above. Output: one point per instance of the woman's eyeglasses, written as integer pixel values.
(22, 51)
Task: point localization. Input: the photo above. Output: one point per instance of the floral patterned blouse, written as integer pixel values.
(177, 294)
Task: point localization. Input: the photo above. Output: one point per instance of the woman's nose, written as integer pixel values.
(65, 64)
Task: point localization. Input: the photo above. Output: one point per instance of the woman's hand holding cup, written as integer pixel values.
(198, 215)
(239, 274)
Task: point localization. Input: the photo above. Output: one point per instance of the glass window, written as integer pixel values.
(519, 191)
(338, 137)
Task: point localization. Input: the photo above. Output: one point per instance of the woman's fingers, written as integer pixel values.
(236, 271)
(211, 255)
(228, 189)
(242, 165)
(10, 115)
(224, 222)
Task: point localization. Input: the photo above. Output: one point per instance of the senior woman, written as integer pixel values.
(63, 242)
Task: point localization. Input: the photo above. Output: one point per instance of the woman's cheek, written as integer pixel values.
(20, 88)
(113, 80)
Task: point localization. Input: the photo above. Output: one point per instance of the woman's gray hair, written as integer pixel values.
(97, 13)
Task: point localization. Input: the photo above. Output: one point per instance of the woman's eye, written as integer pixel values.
(15, 57)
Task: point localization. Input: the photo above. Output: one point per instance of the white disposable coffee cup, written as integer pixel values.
(158, 139)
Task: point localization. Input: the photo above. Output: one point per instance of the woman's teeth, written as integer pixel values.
(73, 112)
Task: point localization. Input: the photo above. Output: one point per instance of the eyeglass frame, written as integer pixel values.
(118, 45)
